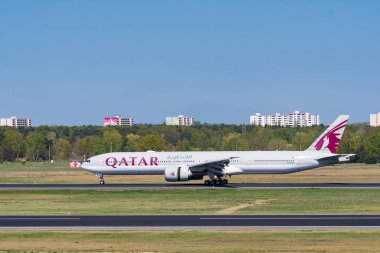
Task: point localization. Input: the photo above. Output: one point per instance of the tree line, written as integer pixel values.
(63, 143)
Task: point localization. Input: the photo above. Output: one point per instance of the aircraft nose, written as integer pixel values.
(89, 165)
(85, 165)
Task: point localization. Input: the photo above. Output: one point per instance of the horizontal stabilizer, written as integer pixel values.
(337, 158)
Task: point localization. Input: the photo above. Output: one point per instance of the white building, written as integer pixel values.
(294, 119)
(303, 119)
(179, 121)
(15, 122)
(374, 119)
(118, 120)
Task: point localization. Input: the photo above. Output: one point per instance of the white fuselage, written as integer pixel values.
(241, 162)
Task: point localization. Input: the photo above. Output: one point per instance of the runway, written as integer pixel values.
(187, 186)
(184, 222)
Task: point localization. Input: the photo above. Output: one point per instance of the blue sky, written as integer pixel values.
(75, 62)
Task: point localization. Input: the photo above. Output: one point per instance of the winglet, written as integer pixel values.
(330, 139)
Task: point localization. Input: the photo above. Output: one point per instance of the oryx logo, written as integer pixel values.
(332, 138)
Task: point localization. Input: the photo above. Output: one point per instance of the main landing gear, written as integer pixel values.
(218, 181)
(100, 176)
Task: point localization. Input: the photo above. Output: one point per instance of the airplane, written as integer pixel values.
(217, 165)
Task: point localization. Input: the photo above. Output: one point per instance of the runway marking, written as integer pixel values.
(182, 228)
(297, 218)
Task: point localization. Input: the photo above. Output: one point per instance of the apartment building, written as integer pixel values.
(374, 119)
(16, 122)
(118, 120)
(293, 119)
(180, 120)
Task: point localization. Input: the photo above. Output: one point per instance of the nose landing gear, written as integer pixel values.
(100, 176)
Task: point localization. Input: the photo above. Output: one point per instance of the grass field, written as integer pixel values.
(35, 165)
(190, 241)
(187, 201)
(59, 172)
(207, 201)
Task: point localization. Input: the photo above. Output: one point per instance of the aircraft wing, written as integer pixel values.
(216, 166)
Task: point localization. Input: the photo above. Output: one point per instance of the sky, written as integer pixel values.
(76, 62)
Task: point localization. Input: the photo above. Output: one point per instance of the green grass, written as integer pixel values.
(190, 241)
(186, 201)
(207, 201)
(34, 166)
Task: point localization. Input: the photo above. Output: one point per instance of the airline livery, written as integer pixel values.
(185, 166)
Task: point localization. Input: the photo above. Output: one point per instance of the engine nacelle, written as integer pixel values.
(178, 173)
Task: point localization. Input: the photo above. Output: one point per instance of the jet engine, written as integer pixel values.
(180, 173)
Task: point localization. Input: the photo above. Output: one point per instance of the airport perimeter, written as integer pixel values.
(122, 198)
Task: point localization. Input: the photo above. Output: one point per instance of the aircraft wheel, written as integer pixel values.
(225, 181)
(207, 182)
(218, 182)
(102, 182)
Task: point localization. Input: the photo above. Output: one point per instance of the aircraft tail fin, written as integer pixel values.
(329, 140)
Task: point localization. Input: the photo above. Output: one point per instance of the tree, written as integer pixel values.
(132, 142)
(152, 142)
(13, 145)
(277, 144)
(111, 141)
(52, 144)
(35, 146)
(372, 145)
(235, 141)
(260, 137)
(62, 149)
(300, 141)
(88, 146)
(170, 135)
(185, 145)
(91, 140)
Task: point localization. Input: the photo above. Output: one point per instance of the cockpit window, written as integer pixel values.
(87, 161)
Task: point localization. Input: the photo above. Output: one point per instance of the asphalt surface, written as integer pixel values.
(188, 221)
(184, 186)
